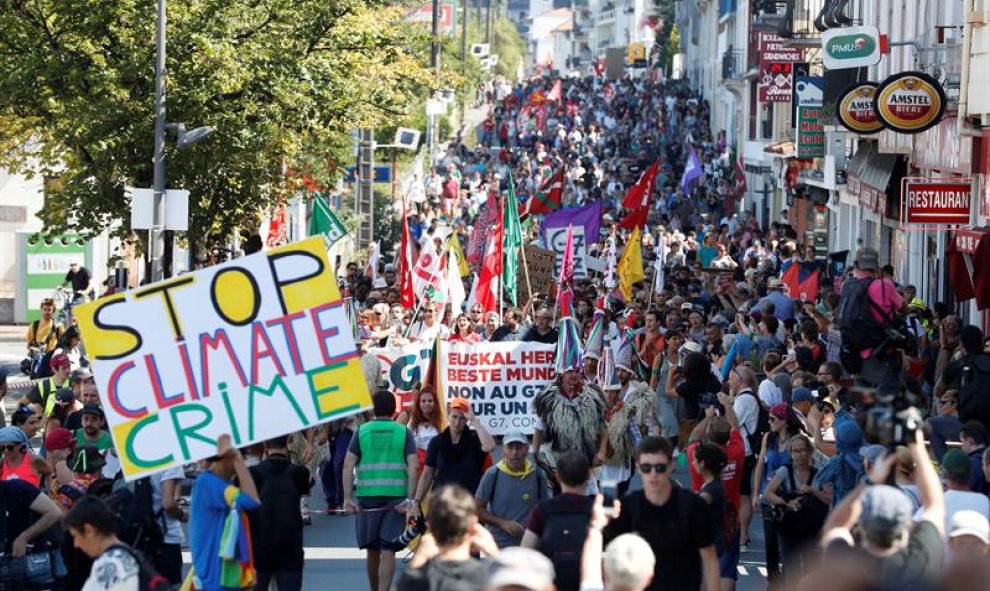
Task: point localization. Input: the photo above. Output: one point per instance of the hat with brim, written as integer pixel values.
(87, 459)
(969, 523)
(514, 437)
(521, 568)
(775, 283)
(887, 512)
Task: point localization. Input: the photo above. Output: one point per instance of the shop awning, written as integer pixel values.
(878, 170)
(969, 265)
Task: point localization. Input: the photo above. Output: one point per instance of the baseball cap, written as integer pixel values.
(779, 410)
(521, 567)
(969, 523)
(687, 306)
(60, 438)
(92, 409)
(460, 404)
(886, 512)
(802, 394)
(514, 437)
(691, 347)
(872, 453)
(867, 259)
(65, 396)
(955, 463)
(86, 459)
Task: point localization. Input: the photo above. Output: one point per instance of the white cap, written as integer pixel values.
(969, 523)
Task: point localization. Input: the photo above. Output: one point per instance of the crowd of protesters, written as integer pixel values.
(781, 408)
(823, 416)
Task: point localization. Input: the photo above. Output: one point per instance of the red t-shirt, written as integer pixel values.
(732, 474)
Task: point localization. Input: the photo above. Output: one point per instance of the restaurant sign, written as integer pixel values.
(936, 203)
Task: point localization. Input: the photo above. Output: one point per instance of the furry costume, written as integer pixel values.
(636, 410)
(575, 423)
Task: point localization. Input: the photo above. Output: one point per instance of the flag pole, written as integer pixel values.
(522, 249)
(501, 213)
(433, 274)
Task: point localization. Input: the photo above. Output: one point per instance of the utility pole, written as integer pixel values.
(156, 236)
(431, 139)
(366, 188)
(464, 20)
(488, 21)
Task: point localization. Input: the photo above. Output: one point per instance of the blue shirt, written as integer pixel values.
(209, 509)
(783, 306)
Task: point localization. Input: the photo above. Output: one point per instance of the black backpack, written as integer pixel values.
(279, 523)
(132, 502)
(859, 327)
(974, 389)
(755, 438)
(564, 529)
(149, 579)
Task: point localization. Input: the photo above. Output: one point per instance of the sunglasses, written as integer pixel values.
(649, 468)
(949, 401)
(10, 447)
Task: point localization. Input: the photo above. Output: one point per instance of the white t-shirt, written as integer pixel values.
(959, 500)
(114, 570)
(769, 393)
(748, 412)
(173, 527)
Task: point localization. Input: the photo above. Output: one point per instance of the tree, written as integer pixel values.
(668, 45)
(283, 81)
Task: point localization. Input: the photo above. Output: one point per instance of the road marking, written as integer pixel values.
(323, 553)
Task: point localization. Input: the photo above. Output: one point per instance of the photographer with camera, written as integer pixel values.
(868, 321)
(894, 550)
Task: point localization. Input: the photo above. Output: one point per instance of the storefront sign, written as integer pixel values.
(910, 102)
(967, 241)
(856, 110)
(810, 133)
(936, 203)
(776, 65)
(850, 47)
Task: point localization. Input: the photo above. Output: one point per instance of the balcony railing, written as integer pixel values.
(733, 64)
(774, 16)
(605, 17)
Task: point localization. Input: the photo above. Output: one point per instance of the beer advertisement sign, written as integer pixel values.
(910, 102)
(855, 109)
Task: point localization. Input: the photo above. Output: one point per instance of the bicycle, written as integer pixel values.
(65, 300)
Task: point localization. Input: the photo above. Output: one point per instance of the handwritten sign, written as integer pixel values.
(540, 263)
(257, 347)
(499, 379)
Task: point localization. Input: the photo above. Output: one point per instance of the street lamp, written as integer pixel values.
(184, 139)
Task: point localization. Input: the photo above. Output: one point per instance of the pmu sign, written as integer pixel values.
(936, 203)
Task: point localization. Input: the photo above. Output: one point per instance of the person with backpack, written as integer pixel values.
(754, 422)
(42, 394)
(970, 376)
(557, 527)
(509, 490)
(868, 322)
(116, 566)
(277, 527)
(217, 511)
(673, 520)
(42, 337)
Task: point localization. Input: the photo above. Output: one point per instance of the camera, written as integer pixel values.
(888, 419)
(414, 527)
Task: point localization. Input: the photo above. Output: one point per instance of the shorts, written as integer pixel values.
(749, 465)
(379, 525)
(728, 559)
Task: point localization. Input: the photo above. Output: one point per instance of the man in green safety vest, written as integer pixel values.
(42, 394)
(383, 456)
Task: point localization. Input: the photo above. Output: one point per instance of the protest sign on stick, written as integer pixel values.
(540, 263)
(257, 347)
(499, 379)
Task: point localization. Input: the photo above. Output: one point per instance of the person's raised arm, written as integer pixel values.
(591, 553)
(727, 401)
(929, 488)
(702, 427)
(487, 441)
(226, 449)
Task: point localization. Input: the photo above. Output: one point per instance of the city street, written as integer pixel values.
(330, 551)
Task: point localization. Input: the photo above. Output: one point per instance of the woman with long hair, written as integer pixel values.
(463, 331)
(424, 418)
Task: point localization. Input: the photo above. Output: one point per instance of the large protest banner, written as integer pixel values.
(257, 347)
(404, 367)
(500, 380)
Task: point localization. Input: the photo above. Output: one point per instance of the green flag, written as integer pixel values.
(324, 221)
(513, 242)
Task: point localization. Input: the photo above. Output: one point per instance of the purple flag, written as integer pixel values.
(585, 223)
(693, 171)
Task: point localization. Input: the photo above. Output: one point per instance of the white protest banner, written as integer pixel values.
(404, 367)
(257, 347)
(500, 380)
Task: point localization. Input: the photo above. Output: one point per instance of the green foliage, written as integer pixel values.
(283, 81)
(510, 47)
(668, 38)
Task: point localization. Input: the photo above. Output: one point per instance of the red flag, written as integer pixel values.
(555, 91)
(276, 228)
(491, 269)
(547, 199)
(406, 258)
(808, 289)
(637, 200)
(791, 278)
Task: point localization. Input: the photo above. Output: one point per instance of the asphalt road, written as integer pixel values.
(331, 555)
